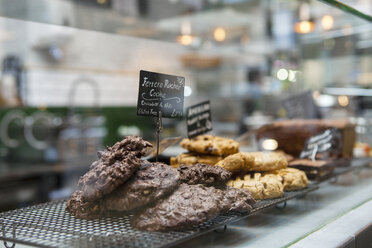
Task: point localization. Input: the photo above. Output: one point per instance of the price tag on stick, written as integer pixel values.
(160, 95)
(199, 119)
(324, 143)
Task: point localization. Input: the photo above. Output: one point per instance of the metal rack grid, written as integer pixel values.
(50, 225)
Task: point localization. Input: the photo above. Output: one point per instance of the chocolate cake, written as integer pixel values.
(291, 135)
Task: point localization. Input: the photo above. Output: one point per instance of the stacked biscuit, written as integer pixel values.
(205, 149)
(264, 174)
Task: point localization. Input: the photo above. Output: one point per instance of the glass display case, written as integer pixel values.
(69, 87)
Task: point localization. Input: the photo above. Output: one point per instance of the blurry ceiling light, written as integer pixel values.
(304, 27)
(343, 101)
(292, 76)
(270, 144)
(185, 40)
(188, 91)
(102, 1)
(316, 94)
(282, 74)
(219, 34)
(327, 22)
(325, 101)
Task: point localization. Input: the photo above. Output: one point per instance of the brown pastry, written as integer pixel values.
(152, 182)
(253, 161)
(209, 175)
(314, 170)
(268, 161)
(191, 159)
(291, 135)
(82, 209)
(191, 205)
(260, 186)
(292, 179)
(213, 145)
(239, 162)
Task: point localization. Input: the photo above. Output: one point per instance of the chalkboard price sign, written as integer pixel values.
(323, 144)
(160, 92)
(198, 119)
(301, 106)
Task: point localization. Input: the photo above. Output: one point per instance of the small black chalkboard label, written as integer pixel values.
(198, 119)
(160, 92)
(301, 106)
(324, 143)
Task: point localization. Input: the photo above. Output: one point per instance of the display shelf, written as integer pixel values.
(50, 225)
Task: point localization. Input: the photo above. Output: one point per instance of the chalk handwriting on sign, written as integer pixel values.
(301, 106)
(198, 119)
(160, 92)
(326, 142)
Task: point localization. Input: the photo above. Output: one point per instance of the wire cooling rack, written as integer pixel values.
(50, 225)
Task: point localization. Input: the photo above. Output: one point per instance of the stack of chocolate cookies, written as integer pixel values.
(160, 197)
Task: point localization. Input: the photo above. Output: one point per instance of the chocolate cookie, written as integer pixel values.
(191, 205)
(239, 200)
(204, 174)
(84, 209)
(153, 181)
(106, 177)
(188, 205)
(115, 166)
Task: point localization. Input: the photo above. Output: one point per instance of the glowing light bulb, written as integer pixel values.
(219, 34)
(327, 22)
(282, 74)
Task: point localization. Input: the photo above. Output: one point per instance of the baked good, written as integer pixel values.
(191, 159)
(238, 200)
(150, 183)
(209, 144)
(115, 166)
(292, 179)
(268, 161)
(191, 205)
(82, 209)
(291, 135)
(188, 205)
(314, 170)
(204, 174)
(260, 186)
(238, 162)
(254, 161)
(105, 177)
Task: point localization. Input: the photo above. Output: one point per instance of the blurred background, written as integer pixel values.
(70, 71)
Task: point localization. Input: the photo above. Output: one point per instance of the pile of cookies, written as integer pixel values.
(264, 174)
(160, 197)
(205, 149)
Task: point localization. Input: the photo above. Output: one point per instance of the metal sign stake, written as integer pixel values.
(159, 129)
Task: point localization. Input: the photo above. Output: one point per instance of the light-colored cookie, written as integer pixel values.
(254, 161)
(209, 144)
(238, 162)
(293, 179)
(260, 186)
(268, 161)
(192, 159)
